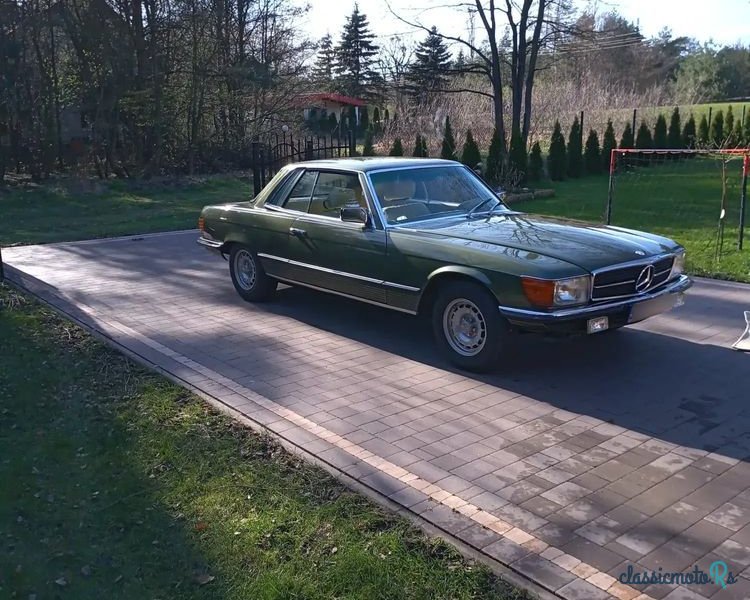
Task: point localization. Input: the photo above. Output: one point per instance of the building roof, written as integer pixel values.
(331, 97)
(374, 163)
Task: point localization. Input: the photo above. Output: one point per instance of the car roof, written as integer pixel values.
(373, 163)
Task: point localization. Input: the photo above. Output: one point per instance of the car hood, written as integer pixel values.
(586, 245)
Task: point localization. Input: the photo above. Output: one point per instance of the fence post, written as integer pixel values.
(743, 200)
(309, 149)
(635, 113)
(352, 140)
(257, 168)
(611, 188)
(2, 267)
(710, 113)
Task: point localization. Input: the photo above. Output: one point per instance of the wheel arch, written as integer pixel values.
(443, 275)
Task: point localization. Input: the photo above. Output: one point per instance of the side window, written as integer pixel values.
(299, 197)
(334, 191)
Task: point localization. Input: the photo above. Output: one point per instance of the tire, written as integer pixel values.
(468, 327)
(248, 276)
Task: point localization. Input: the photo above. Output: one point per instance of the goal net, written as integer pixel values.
(694, 196)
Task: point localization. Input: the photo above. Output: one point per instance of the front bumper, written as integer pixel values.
(620, 312)
(209, 244)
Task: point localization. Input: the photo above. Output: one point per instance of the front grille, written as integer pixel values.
(620, 282)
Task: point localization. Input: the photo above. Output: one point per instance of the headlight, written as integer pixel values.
(557, 292)
(678, 266)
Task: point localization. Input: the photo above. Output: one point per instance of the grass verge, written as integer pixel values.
(680, 200)
(69, 211)
(120, 484)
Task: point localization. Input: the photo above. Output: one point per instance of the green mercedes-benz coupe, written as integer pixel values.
(429, 236)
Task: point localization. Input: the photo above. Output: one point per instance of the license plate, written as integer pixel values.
(597, 324)
(651, 308)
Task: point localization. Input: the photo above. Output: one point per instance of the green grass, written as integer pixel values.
(680, 200)
(52, 213)
(119, 484)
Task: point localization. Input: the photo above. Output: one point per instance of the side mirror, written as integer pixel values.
(355, 214)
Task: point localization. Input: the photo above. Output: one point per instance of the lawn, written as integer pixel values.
(119, 484)
(680, 200)
(68, 210)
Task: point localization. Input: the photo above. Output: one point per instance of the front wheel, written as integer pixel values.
(468, 327)
(248, 276)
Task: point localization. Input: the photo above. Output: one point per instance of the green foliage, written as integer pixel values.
(420, 147)
(609, 143)
(703, 131)
(494, 171)
(643, 140)
(592, 156)
(470, 155)
(746, 129)
(397, 149)
(660, 132)
(448, 148)
(355, 56)
(517, 157)
(627, 140)
(575, 151)
(322, 73)
(689, 135)
(364, 119)
(557, 160)
(717, 137)
(729, 127)
(428, 73)
(536, 164)
(674, 135)
(368, 148)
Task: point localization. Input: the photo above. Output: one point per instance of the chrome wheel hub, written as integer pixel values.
(244, 269)
(464, 327)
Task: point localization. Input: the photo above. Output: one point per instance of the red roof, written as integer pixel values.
(330, 97)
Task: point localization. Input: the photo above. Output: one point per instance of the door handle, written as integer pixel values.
(297, 232)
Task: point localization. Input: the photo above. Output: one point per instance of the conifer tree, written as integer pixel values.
(703, 134)
(688, 133)
(609, 143)
(643, 140)
(592, 156)
(322, 73)
(717, 137)
(660, 132)
(627, 140)
(674, 135)
(575, 151)
(517, 157)
(746, 130)
(368, 149)
(557, 160)
(494, 171)
(428, 73)
(355, 56)
(420, 147)
(536, 165)
(729, 126)
(448, 148)
(470, 155)
(397, 149)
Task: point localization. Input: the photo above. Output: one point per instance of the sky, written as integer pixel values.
(723, 21)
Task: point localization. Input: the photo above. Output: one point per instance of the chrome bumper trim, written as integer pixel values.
(210, 244)
(679, 285)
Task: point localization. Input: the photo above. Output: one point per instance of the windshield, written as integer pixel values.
(408, 195)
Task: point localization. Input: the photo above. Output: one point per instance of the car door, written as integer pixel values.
(280, 211)
(328, 253)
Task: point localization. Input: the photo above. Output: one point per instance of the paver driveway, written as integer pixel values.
(577, 458)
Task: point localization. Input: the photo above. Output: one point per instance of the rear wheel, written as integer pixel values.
(248, 276)
(468, 327)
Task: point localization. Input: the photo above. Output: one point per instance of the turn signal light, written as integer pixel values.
(540, 292)
(201, 224)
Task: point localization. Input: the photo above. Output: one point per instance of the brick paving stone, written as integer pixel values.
(514, 443)
(505, 551)
(543, 571)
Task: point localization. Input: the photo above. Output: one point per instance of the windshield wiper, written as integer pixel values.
(482, 203)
